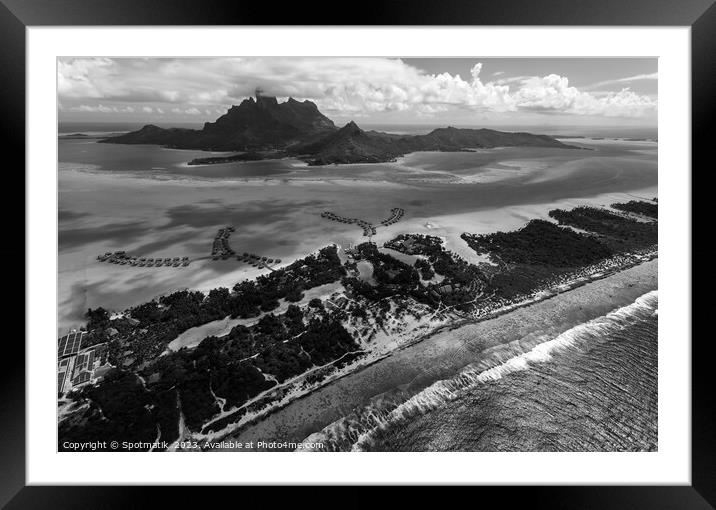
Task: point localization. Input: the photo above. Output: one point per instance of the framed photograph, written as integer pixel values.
(435, 246)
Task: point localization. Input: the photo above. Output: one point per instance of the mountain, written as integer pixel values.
(261, 123)
(263, 128)
(350, 144)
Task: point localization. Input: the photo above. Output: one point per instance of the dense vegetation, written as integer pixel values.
(617, 232)
(542, 250)
(120, 409)
(392, 277)
(460, 281)
(229, 370)
(542, 243)
(160, 321)
(194, 381)
(648, 209)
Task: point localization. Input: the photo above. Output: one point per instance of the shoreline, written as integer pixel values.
(561, 382)
(250, 427)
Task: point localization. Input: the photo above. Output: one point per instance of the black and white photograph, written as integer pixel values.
(444, 245)
(357, 254)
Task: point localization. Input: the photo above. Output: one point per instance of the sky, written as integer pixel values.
(371, 90)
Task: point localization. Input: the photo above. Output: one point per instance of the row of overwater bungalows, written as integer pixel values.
(221, 248)
(396, 214)
(256, 260)
(121, 258)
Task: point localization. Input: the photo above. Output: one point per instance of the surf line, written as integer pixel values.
(360, 432)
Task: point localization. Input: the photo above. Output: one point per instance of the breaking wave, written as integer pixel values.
(356, 431)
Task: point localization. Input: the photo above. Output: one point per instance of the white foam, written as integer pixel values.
(443, 391)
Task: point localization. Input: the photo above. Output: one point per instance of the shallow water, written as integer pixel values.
(158, 161)
(143, 199)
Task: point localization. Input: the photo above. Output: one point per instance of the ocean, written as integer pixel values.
(590, 388)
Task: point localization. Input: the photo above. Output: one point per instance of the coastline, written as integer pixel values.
(578, 391)
(442, 352)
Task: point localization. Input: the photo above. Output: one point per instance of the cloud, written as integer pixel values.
(341, 87)
(552, 93)
(100, 108)
(186, 111)
(628, 79)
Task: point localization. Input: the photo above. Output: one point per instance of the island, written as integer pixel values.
(263, 128)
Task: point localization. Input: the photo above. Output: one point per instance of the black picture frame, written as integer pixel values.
(16, 15)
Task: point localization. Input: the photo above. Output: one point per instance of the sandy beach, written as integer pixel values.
(440, 356)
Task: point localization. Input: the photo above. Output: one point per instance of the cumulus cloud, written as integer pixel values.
(553, 93)
(345, 86)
